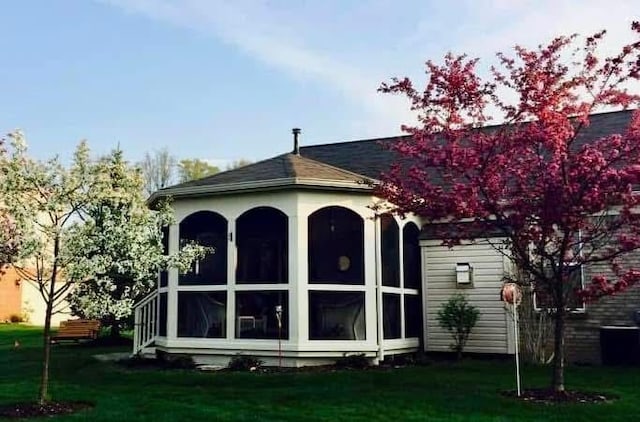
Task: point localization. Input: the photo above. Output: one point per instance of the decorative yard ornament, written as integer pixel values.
(511, 295)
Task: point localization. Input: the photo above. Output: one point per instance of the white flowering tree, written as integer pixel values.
(82, 223)
(116, 252)
(9, 229)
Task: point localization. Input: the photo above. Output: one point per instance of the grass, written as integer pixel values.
(467, 391)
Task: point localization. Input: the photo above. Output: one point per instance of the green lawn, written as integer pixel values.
(439, 392)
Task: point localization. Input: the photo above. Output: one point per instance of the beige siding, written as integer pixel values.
(492, 334)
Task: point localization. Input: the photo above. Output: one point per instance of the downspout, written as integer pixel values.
(378, 272)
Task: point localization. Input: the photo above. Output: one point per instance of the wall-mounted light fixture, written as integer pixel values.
(464, 273)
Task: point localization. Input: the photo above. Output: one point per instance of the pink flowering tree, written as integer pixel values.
(559, 199)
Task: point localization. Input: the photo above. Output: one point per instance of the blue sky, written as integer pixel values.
(227, 80)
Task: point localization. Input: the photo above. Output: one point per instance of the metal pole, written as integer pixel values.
(515, 329)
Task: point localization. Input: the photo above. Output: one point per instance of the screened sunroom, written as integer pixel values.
(303, 271)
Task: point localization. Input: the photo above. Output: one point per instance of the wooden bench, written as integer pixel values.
(77, 329)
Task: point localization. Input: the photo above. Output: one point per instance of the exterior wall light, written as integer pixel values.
(464, 274)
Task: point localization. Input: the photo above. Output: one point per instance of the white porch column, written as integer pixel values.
(232, 254)
(298, 270)
(172, 292)
(403, 322)
(371, 246)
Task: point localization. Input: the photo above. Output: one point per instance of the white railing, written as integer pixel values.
(145, 322)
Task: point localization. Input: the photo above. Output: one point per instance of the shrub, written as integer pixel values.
(458, 317)
(15, 318)
(358, 361)
(242, 362)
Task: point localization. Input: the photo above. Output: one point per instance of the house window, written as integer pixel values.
(390, 249)
(256, 314)
(162, 315)
(336, 315)
(336, 247)
(411, 256)
(209, 229)
(391, 316)
(574, 274)
(573, 281)
(202, 314)
(262, 240)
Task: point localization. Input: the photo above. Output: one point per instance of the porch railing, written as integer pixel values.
(145, 322)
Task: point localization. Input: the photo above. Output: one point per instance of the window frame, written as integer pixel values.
(578, 310)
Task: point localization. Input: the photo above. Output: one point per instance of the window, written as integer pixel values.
(391, 316)
(397, 292)
(336, 246)
(413, 316)
(336, 315)
(164, 278)
(390, 248)
(574, 282)
(202, 314)
(262, 240)
(207, 229)
(162, 316)
(411, 256)
(256, 314)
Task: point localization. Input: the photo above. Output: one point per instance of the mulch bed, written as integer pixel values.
(36, 410)
(548, 396)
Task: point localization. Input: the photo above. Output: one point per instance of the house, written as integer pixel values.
(21, 299)
(305, 270)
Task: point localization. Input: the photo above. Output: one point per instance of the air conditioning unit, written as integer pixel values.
(464, 274)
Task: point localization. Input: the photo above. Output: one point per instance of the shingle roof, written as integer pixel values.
(370, 157)
(282, 167)
(353, 161)
(373, 157)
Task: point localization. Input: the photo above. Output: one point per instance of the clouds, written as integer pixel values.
(278, 40)
(350, 47)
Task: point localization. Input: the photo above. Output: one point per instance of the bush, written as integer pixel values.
(15, 318)
(458, 317)
(242, 362)
(358, 361)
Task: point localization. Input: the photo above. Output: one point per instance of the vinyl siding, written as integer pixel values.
(492, 333)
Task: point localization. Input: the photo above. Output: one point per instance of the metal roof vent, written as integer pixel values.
(296, 146)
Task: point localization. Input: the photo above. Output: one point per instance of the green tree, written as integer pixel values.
(115, 255)
(55, 209)
(9, 228)
(192, 169)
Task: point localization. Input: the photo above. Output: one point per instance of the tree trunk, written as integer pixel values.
(557, 379)
(115, 329)
(44, 381)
